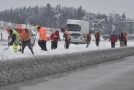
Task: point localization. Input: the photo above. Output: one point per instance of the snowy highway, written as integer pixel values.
(113, 75)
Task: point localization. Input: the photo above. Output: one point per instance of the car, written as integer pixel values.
(77, 38)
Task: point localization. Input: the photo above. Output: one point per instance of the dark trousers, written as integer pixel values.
(42, 45)
(54, 45)
(26, 43)
(88, 42)
(125, 43)
(67, 43)
(112, 44)
(97, 42)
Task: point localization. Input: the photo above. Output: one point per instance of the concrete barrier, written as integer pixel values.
(16, 70)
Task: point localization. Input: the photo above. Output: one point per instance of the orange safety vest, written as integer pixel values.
(42, 34)
(24, 36)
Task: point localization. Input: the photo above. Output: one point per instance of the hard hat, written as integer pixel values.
(18, 27)
(36, 26)
(8, 29)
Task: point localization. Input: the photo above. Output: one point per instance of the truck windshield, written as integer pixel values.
(73, 27)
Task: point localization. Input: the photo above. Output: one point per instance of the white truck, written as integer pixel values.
(78, 29)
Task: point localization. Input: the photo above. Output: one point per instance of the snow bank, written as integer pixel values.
(21, 69)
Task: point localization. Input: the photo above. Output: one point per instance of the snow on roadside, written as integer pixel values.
(8, 54)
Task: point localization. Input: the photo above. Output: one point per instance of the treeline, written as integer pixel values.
(45, 16)
(56, 17)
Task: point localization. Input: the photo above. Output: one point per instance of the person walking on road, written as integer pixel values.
(15, 39)
(25, 38)
(67, 37)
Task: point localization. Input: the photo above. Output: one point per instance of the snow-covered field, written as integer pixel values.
(8, 54)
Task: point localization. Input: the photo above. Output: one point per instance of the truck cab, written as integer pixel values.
(78, 29)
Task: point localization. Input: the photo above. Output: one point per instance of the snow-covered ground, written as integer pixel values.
(8, 54)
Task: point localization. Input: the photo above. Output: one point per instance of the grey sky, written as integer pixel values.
(94, 6)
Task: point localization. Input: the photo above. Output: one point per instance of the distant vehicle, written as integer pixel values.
(77, 38)
(131, 36)
(105, 36)
(78, 29)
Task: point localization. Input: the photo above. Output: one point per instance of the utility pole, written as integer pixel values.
(1, 33)
(27, 20)
(3, 24)
(113, 20)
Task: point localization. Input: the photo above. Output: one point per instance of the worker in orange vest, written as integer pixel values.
(97, 38)
(88, 38)
(121, 38)
(67, 37)
(25, 38)
(42, 37)
(125, 38)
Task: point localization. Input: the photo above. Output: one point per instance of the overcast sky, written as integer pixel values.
(93, 6)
